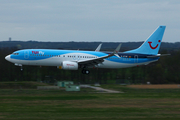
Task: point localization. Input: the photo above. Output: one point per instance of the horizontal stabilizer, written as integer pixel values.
(158, 55)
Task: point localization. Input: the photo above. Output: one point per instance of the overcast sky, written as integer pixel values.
(88, 20)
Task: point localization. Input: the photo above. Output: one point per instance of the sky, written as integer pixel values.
(88, 20)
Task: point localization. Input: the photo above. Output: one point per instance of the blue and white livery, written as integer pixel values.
(73, 60)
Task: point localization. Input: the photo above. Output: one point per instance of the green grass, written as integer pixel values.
(134, 104)
(20, 85)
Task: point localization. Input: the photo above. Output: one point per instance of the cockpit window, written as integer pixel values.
(15, 53)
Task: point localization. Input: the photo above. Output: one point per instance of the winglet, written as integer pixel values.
(98, 48)
(117, 49)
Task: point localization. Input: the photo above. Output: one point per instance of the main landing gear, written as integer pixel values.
(85, 71)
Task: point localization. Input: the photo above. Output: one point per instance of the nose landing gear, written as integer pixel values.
(21, 68)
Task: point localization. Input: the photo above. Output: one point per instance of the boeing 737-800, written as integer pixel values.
(75, 59)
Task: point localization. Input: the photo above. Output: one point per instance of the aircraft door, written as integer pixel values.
(26, 54)
(74, 57)
(78, 57)
(136, 59)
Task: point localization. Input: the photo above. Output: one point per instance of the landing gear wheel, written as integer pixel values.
(85, 71)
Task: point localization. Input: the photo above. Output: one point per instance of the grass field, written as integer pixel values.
(134, 104)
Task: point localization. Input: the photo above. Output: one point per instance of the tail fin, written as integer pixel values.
(152, 44)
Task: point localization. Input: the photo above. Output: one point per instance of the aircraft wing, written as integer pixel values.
(96, 61)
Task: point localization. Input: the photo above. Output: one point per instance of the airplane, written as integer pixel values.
(77, 59)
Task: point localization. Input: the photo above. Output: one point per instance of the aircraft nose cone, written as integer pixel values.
(7, 57)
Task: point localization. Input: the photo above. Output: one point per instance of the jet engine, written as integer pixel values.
(67, 65)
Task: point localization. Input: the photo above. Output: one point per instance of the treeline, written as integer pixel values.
(166, 70)
(81, 45)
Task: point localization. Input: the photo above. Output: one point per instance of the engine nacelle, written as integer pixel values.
(67, 65)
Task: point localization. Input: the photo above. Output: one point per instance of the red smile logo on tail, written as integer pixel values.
(152, 46)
